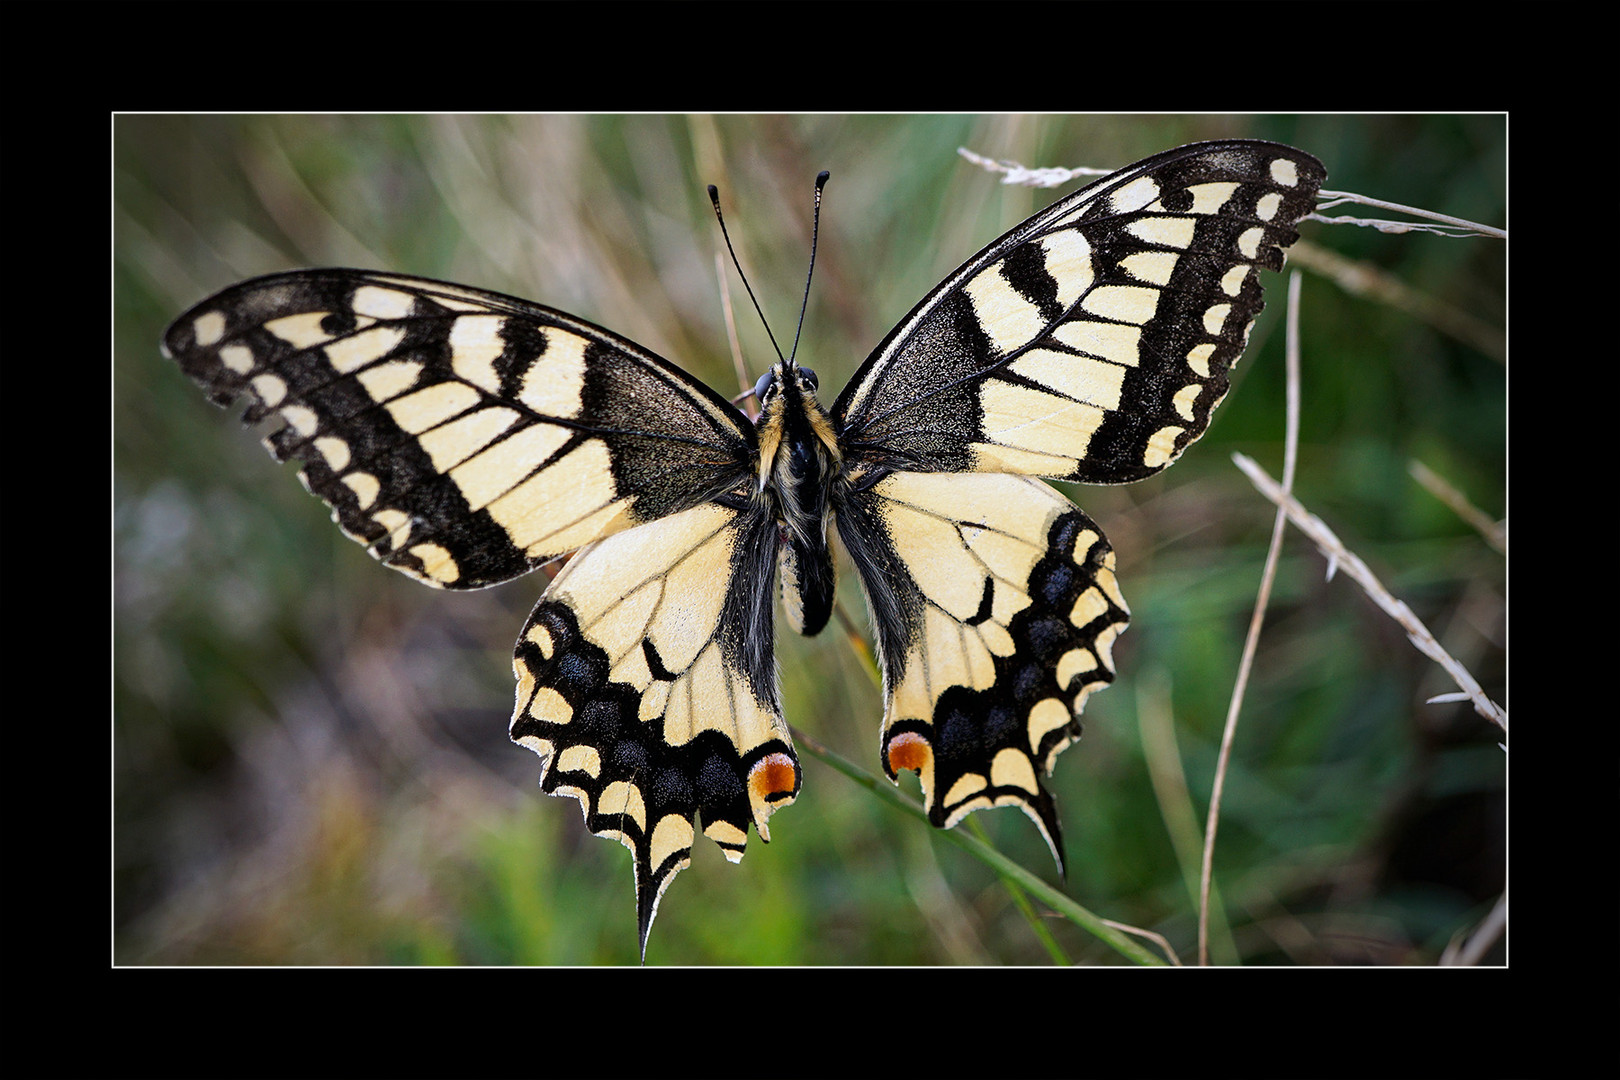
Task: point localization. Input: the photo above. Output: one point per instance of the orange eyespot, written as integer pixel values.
(773, 777)
(909, 750)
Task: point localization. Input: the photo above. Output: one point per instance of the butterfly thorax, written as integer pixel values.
(799, 461)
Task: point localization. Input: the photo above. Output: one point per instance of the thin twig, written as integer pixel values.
(749, 406)
(1026, 177)
(1448, 225)
(1252, 640)
(1480, 941)
(1340, 556)
(1494, 532)
(1168, 775)
(1162, 941)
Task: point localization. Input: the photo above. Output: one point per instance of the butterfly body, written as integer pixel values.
(800, 465)
(467, 437)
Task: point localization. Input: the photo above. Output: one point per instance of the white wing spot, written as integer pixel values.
(335, 451)
(1215, 318)
(1154, 267)
(365, 488)
(1209, 198)
(475, 345)
(1049, 714)
(1198, 358)
(302, 419)
(1123, 303)
(239, 358)
(387, 381)
(356, 351)
(1176, 232)
(672, 834)
(208, 328)
(438, 565)
(1232, 281)
(1012, 768)
(301, 331)
(1161, 447)
(270, 388)
(1249, 242)
(1185, 399)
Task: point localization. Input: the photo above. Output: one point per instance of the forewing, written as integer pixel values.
(1092, 342)
(463, 436)
(646, 681)
(996, 612)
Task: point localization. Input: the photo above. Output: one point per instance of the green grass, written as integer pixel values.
(311, 762)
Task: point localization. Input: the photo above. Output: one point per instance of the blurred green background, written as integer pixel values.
(311, 764)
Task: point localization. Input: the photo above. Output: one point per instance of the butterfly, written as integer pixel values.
(467, 438)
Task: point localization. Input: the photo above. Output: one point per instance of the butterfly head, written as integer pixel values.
(779, 387)
(793, 426)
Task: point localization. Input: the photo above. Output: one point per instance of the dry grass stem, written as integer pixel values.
(1446, 225)
(745, 397)
(1251, 640)
(1480, 941)
(1158, 939)
(1026, 177)
(1338, 555)
(1494, 532)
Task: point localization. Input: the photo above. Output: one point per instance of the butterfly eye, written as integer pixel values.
(807, 378)
(766, 383)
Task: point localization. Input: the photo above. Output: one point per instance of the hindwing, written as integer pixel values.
(1092, 342)
(646, 681)
(462, 436)
(996, 608)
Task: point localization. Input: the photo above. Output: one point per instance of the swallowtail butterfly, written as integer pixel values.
(466, 438)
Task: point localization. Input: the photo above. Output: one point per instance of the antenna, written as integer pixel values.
(714, 197)
(815, 230)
